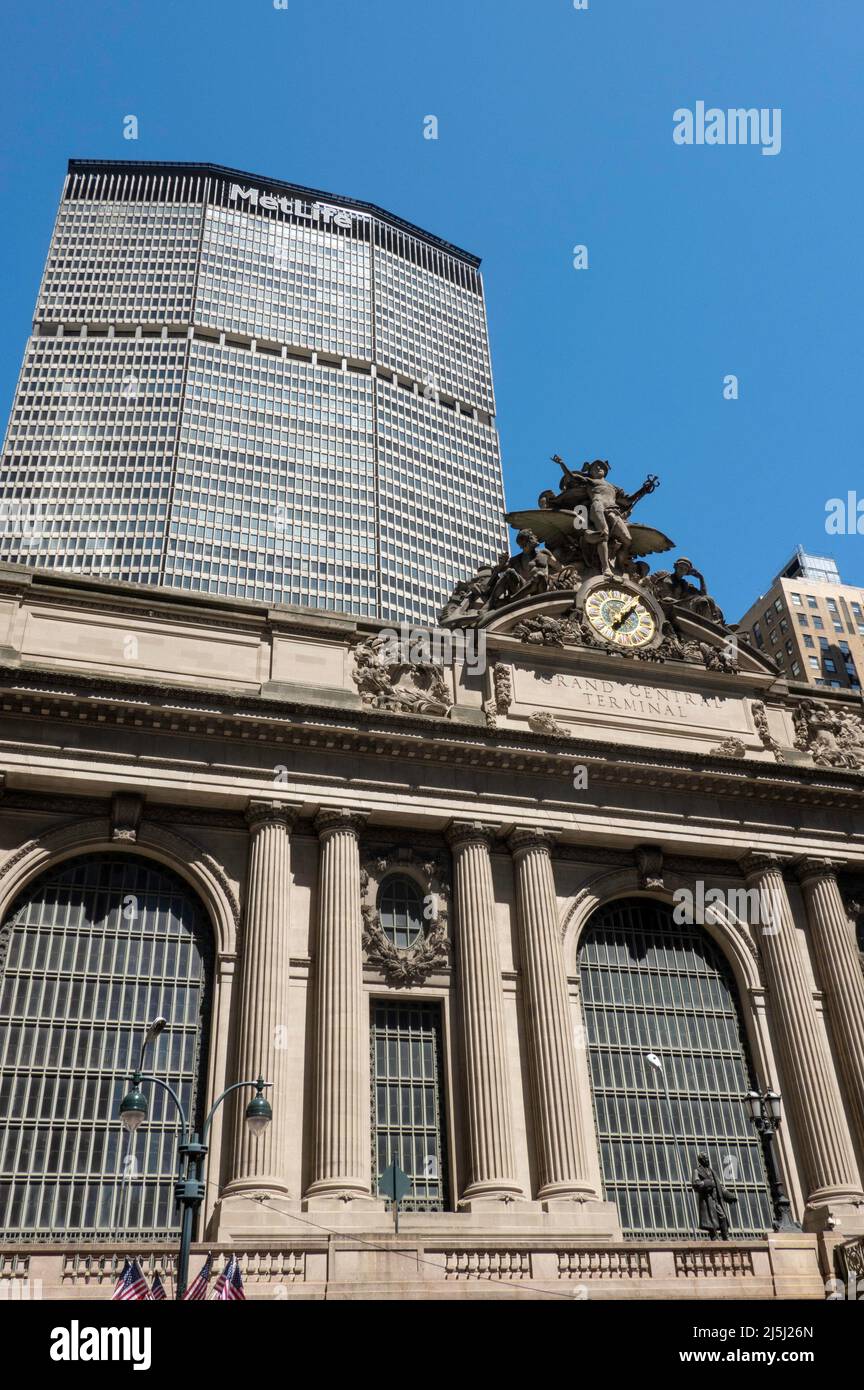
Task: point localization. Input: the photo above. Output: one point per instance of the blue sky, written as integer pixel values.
(554, 130)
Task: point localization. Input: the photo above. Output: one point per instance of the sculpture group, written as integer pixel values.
(580, 532)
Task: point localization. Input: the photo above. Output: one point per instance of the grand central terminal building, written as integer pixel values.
(531, 912)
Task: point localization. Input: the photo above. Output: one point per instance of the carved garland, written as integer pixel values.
(431, 951)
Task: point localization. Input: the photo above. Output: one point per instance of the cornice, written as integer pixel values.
(244, 717)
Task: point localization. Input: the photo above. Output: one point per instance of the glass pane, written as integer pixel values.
(400, 907)
(406, 1068)
(82, 939)
(649, 985)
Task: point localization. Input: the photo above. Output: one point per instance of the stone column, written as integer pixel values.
(490, 1139)
(341, 1158)
(839, 971)
(810, 1090)
(259, 1164)
(564, 1164)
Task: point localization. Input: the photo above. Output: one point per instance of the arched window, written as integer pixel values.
(91, 952)
(651, 986)
(400, 908)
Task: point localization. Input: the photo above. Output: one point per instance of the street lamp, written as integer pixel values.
(766, 1114)
(189, 1187)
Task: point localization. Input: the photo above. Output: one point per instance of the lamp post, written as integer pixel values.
(192, 1150)
(766, 1114)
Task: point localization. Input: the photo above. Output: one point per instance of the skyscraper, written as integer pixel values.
(239, 386)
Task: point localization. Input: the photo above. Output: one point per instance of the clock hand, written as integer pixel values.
(625, 613)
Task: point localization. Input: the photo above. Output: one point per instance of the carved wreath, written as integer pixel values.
(403, 967)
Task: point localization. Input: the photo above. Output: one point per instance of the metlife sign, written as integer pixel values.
(324, 213)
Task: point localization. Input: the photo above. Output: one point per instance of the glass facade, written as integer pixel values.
(407, 1099)
(650, 986)
(93, 951)
(241, 389)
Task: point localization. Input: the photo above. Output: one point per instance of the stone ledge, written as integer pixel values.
(372, 1266)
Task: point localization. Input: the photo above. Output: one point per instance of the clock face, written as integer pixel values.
(620, 617)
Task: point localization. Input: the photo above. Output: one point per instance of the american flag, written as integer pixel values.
(157, 1289)
(198, 1288)
(229, 1285)
(131, 1287)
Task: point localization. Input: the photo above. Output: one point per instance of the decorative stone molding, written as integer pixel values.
(545, 723)
(5, 940)
(464, 832)
(729, 748)
(126, 810)
(713, 1264)
(571, 629)
(364, 732)
(261, 813)
(502, 696)
(487, 1264)
(833, 737)
(649, 862)
(502, 683)
(545, 631)
(526, 838)
(759, 862)
(607, 884)
(9, 863)
(330, 820)
(760, 720)
(406, 687)
(180, 852)
(604, 1263)
(403, 968)
(812, 868)
(431, 951)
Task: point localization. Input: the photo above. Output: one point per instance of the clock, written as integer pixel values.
(621, 616)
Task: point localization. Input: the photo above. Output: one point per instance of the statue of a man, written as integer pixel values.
(676, 588)
(713, 1198)
(608, 507)
(529, 572)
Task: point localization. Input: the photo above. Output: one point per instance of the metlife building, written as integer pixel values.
(242, 387)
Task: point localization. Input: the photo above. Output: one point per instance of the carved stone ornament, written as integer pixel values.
(760, 720)
(729, 748)
(386, 680)
(545, 723)
(502, 680)
(833, 737)
(649, 861)
(403, 967)
(126, 808)
(502, 694)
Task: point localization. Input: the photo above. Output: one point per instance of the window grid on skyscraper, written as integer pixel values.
(153, 440)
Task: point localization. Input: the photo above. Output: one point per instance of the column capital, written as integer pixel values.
(260, 812)
(470, 832)
(529, 837)
(757, 862)
(331, 819)
(813, 867)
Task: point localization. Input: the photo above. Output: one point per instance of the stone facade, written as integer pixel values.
(246, 749)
